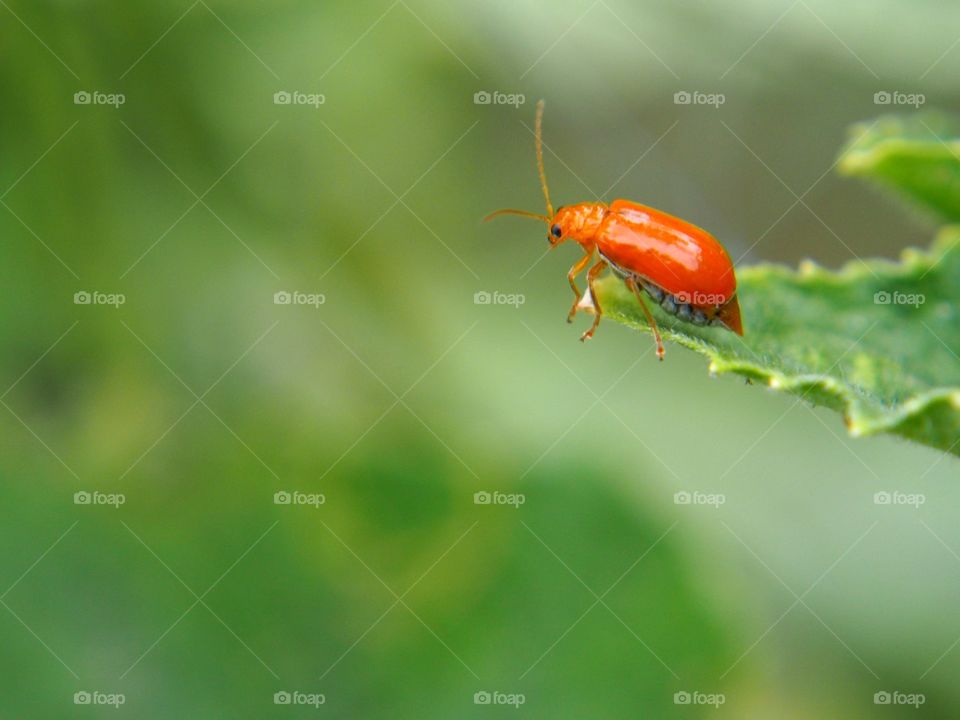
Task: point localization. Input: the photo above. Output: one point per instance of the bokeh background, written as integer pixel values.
(399, 397)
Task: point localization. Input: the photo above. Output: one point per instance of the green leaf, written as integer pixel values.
(829, 338)
(917, 155)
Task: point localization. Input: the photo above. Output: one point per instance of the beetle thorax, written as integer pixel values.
(581, 222)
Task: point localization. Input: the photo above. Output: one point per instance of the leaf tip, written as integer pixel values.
(853, 429)
(912, 256)
(807, 268)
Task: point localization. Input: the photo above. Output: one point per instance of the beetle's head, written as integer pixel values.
(577, 222)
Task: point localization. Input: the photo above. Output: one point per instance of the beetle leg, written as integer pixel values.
(598, 311)
(571, 276)
(632, 284)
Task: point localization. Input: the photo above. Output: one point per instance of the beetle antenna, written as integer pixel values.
(543, 175)
(524, 213)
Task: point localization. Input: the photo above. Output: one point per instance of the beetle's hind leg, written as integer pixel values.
(597, 310)
(572, 278)
(632, 284)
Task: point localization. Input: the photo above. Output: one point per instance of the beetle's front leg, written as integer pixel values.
(571, 277)
(598, 311)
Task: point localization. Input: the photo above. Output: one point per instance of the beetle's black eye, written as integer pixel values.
(555, 231)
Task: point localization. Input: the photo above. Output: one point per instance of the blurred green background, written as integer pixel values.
(399, 397)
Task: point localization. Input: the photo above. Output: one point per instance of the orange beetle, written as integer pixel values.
(682, 267)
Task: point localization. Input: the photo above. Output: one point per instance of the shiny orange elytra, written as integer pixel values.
(681, 267)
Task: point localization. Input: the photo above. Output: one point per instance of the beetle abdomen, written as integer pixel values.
(672, 304)
(675, 306)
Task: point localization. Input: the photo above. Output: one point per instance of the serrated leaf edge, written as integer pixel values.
(859, 420)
